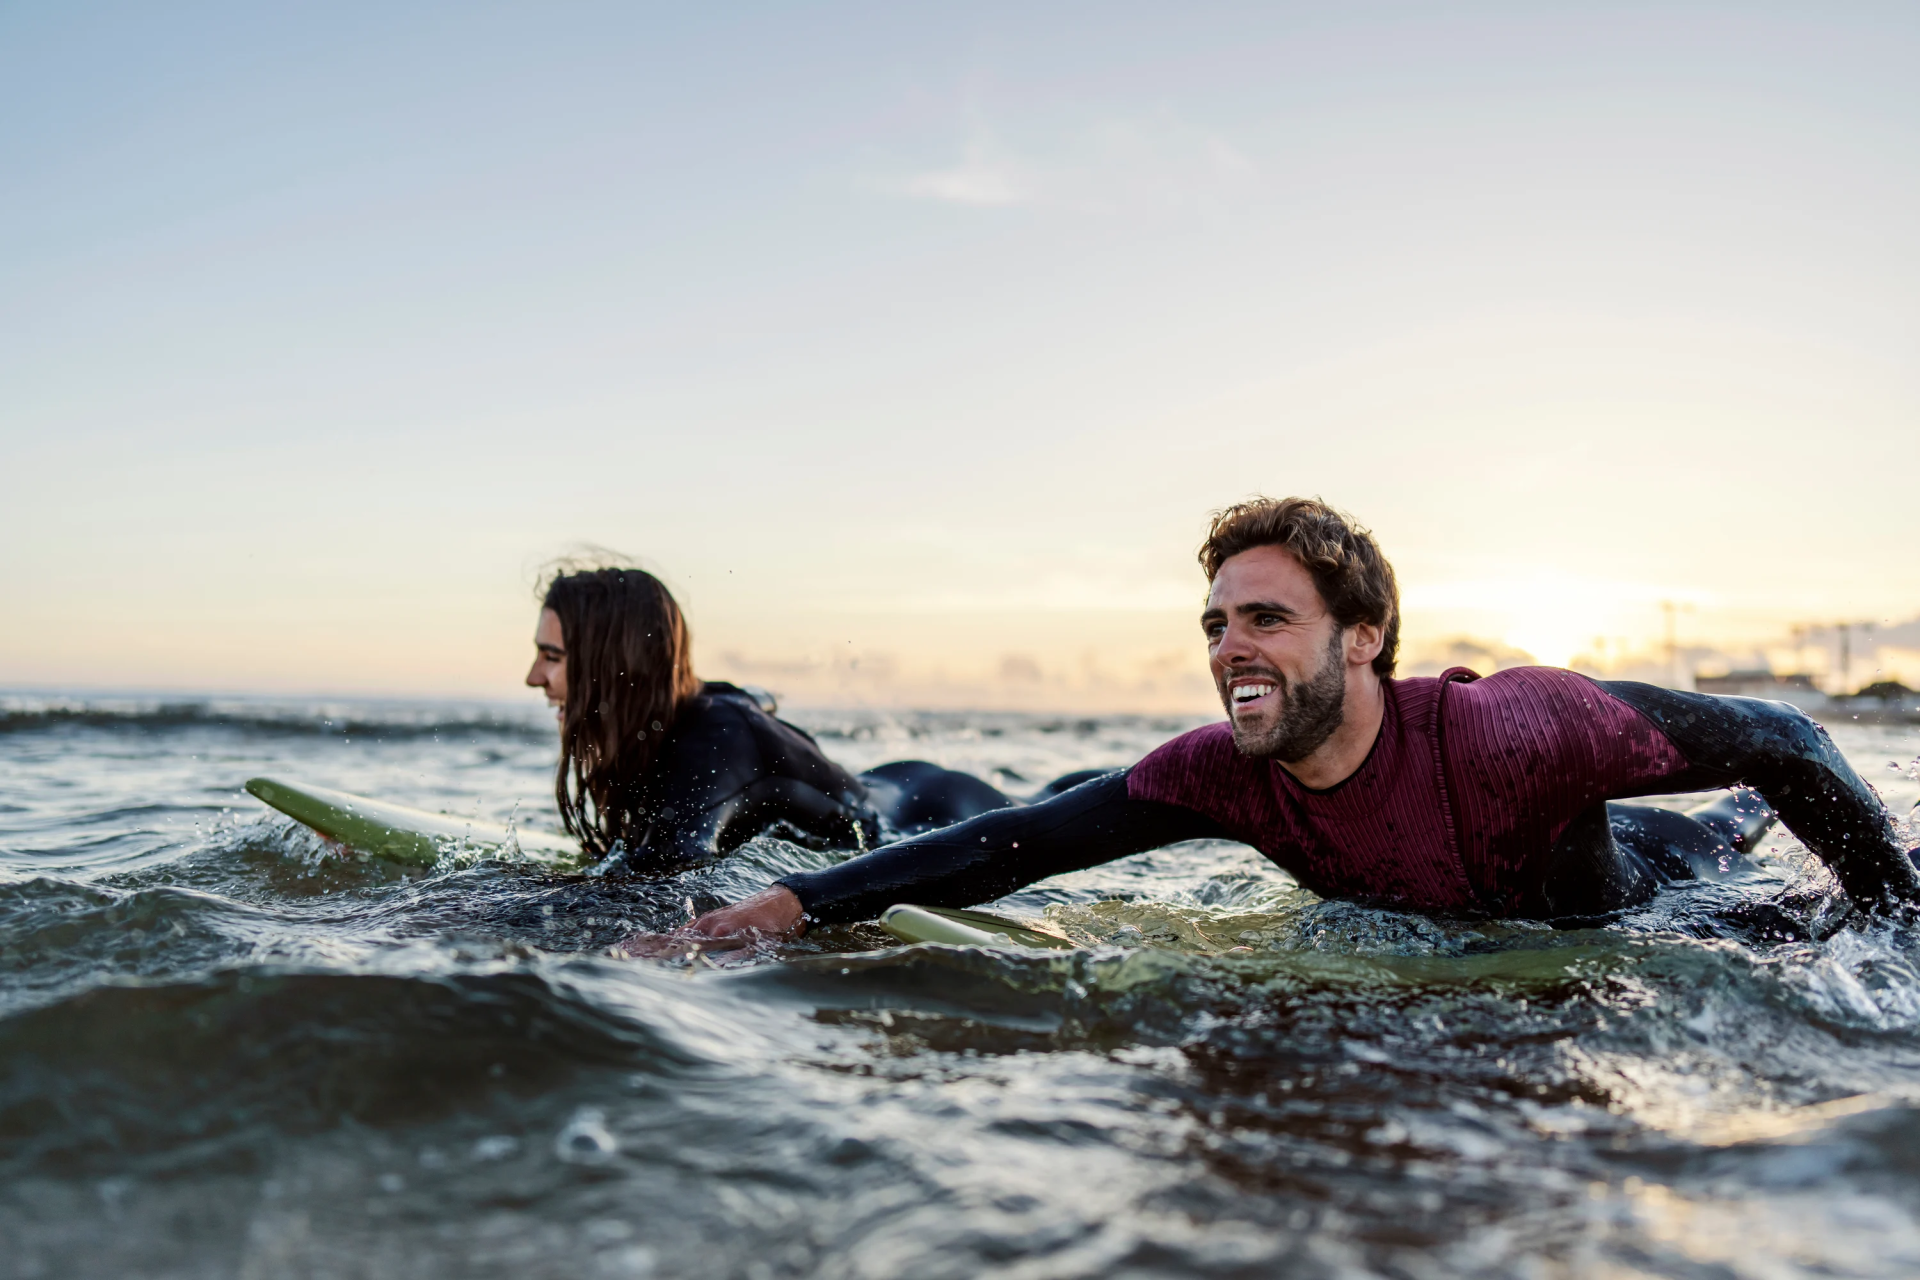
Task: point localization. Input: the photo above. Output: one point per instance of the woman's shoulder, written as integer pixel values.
(723, 736)
(750, 695)
(727, 712)
(720, 706)
(715, 744)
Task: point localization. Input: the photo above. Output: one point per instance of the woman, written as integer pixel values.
(665, 770)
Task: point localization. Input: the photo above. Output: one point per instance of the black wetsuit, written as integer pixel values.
(1605, 858)
(730, 770)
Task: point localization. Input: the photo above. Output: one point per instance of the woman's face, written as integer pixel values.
(549, 670)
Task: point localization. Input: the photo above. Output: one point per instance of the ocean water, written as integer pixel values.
(225, 1052)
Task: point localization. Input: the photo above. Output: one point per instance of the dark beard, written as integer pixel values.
(1309, 713)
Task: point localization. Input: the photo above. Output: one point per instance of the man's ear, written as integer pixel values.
(1364, 642)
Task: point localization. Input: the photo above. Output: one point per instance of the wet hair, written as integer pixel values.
(1353, 577)
(629, 669)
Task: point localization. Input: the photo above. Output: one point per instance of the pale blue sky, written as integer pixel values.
(928, 337)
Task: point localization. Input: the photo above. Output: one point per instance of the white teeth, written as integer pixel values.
(1248, 692)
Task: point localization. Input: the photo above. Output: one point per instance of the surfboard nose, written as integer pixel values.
(965, 928)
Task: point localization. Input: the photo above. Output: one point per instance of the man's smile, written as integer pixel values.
(1246, 693)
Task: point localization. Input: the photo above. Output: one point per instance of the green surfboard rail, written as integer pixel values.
(966, 929)
(397, 832)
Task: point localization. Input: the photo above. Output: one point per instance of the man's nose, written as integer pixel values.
(1233, 648)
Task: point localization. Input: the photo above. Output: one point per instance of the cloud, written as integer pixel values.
(1019, 668)
(1118, 164)
(1089, 683)
(1087, 588)
(981, 178)
(1483, 655)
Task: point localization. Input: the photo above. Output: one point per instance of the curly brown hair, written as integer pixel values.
(1345, 562)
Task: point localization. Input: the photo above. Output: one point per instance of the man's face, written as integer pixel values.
(1277, 657)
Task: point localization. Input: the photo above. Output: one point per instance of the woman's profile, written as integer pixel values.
(660, 770)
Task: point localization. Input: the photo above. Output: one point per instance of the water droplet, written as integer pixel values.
(495, 1147)
(586, 1140)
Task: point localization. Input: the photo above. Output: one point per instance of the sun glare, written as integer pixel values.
(1553, 617)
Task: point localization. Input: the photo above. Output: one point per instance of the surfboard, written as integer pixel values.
(966, 929)
(399, 833)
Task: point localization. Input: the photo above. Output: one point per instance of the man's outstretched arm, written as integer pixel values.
(970, 862)
(990, 856)
(1781, 753)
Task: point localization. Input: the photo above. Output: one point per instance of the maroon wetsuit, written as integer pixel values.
(1478, 797)
(1468, 788)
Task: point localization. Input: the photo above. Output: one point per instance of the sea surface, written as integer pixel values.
(228, 1052)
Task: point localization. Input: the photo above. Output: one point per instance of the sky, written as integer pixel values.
(912, 345)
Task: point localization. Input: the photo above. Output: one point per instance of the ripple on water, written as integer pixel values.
(225, 1051)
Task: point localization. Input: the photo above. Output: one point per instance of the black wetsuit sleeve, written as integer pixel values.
(733, 772)
(767, 804)
(989, 856)
(1780, 752)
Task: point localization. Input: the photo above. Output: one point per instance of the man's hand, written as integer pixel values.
(771, 915)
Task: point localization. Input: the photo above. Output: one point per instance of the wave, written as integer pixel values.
(402, 718)
(138, 1072)
(302, 717)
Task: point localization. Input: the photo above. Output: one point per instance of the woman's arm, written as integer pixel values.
(686, 835)
(1780, 752)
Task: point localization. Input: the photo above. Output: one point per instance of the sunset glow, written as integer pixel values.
(918, 374)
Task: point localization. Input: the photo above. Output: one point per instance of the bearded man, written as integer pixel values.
(1454, 795)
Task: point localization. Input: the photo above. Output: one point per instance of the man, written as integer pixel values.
(1455, 796)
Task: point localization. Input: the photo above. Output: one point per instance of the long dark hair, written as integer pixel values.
(629, 667)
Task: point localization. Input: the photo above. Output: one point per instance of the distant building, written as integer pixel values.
(1882, 702)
